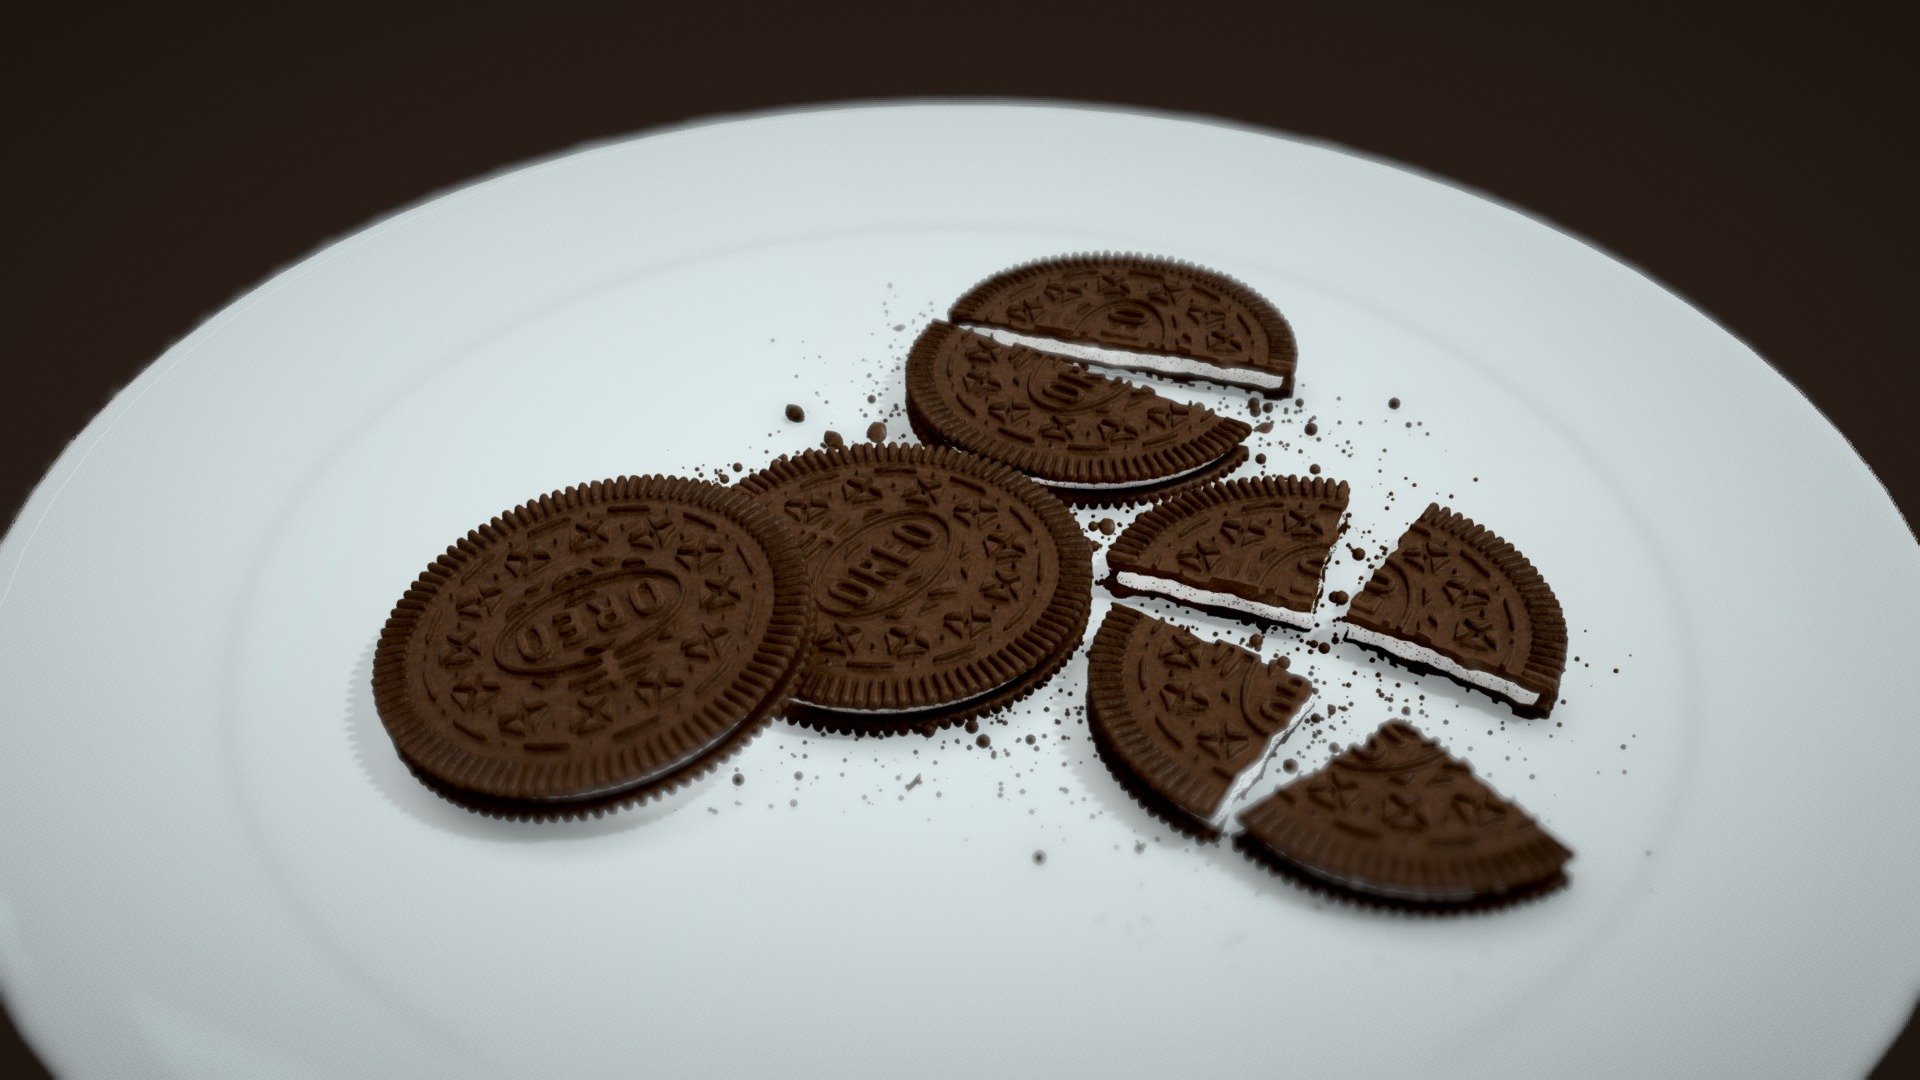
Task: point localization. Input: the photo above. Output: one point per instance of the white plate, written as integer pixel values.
(215, 866)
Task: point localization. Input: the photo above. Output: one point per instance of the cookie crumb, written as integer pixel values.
(1106, 526)
(796, 414)
(832, 440)
(1338, 596)
(877, 432)
(1393, 403)
(1263, 426)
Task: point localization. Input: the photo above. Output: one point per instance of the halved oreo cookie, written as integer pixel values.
(1400, 822)
(1246, 548)
(1092, 440)
(1182, 723)
(596, 646)
(946, 586)
(1140, 313)
(1456, 599)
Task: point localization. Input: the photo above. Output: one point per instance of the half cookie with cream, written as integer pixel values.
(1457, 599)
(1247, 548)
(1400, 822)
(1140, 313)
(1185, 725)
(1093, 440)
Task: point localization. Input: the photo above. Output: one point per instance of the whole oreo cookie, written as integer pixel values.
(946, 586)
(596, 646)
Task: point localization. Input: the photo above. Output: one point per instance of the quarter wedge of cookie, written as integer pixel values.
(1400, 822)
(1254, 548)
(1456, 599)
(1154, 315)
(946, 586)
(1185, 725)
(1090, 439)
(594, 647)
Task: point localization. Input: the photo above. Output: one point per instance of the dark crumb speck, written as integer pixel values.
(795, 413)
(1039, 857)
(1338, 596)
(1325, 648)
(1290, 765)
(1106, 526)
(973, 726)
(1140, 846)
(877, 431)
(1314, 469)
(1254, 641)
(1358, 553)
(738, 779)
(833, 441)
(799, 776)
(1393, 403)
(1312, 428)
(1259, 459)
(1263, 426)
(983, 740)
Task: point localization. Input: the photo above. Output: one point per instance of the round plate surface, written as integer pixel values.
(215, 865)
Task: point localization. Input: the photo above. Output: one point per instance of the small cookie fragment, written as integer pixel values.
(1141, 313)
(1184, 724)
(796, 414)
(1091, 439)
(1400, 822)
(1456, 599)
(1243, 548)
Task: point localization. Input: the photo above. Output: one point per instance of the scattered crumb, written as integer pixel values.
(1263, 426)
(832, 440)
(796, 414)
(1338, 596)
(1290, 765)
(1039, 857)
(1393, 403)
(877, 431)
(1105, 525)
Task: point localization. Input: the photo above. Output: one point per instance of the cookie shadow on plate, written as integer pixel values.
(373, 752)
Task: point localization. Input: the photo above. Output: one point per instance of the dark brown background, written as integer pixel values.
(160, 162)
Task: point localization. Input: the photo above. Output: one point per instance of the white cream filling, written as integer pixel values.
(1384, 890)
(1174, 590)
(1133, 360)
(1167, 479)
(1251, 775)
(899, 712)
(1407, 650)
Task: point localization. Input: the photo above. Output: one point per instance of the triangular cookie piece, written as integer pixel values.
(1246, 548)
(1457, 599)
(1147, 314)
(1091, 439)
(1182, 723)
(1399, 821)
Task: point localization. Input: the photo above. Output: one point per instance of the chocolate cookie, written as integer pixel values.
(946, 586)
(1243, 548)
(1184, 724)
(595, 646)
(1091, 439)
(1145, 314)
(1399, 822)
(1456, 599)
